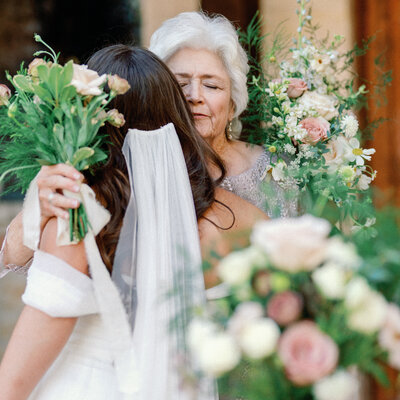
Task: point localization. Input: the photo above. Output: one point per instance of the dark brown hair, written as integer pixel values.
(154, 100)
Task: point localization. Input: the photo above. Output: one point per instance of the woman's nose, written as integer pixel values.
(193, 93)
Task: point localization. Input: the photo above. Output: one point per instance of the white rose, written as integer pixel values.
(343, 253)
(86, 81)
(259, 338)
(337, 148)
(339, 386)
(293, 244)
(199, 330)
(323, 104)
(235, 268)
(367, 308)
(218, 354)
(244, 313)
(330, 280)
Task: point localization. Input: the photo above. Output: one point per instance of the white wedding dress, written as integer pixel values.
(84, 368)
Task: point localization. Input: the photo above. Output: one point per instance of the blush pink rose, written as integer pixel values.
(296, 87)
(317, 129)
(307, 353)
(285, 307)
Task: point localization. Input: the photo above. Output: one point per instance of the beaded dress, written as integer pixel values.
(257, 186)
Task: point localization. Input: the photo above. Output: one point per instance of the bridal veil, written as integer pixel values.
(157, 266)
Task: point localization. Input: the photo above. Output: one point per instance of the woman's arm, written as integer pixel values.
(38, 338)
(234, 212)
(51, 179)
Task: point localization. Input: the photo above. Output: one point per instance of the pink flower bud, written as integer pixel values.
(117, 84)
(285, 307)
(296, 87)
(5, 94)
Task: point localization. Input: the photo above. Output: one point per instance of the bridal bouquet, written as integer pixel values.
(54, 117)
(302, 104)
(300, 319)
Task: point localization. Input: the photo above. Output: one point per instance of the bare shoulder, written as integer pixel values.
(74, 255)
(245, 213)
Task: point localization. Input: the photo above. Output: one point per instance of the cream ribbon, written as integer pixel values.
(111, 307)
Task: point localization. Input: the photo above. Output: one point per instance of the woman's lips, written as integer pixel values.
(199, 116)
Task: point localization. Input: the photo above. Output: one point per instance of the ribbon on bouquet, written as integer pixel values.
(111, 308)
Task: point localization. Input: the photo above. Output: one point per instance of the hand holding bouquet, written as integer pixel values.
(54, 117)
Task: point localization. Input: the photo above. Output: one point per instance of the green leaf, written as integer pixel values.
(67, 73)
(98, 156)
(43, 93)
(82, 154)
(54, 80)
(58, 131)
(43, 72)
(22, 82)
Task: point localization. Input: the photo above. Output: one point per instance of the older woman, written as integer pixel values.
(206, 57)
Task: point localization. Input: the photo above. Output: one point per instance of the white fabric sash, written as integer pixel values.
(110, 305)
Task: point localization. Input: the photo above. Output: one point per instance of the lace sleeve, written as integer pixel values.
(5, 269)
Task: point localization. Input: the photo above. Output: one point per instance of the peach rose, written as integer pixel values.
(296, 87)
(115, 118)
(32, 67)
(285, 307)
(317, 129)
(293, 244)
(86, 81)
(118, 84)
(5, 94)
(307, 353)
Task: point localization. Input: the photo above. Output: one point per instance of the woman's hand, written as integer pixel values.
(51, 180)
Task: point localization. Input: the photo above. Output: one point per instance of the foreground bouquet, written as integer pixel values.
(302, 104)
(299, 318)
(54, 117)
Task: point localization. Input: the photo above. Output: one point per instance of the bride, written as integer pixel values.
(74, 337)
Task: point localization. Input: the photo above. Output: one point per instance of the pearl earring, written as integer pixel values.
(229, 131)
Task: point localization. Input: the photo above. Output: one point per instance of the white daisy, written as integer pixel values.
(356, 153)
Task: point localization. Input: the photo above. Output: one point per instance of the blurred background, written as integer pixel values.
(77, 28)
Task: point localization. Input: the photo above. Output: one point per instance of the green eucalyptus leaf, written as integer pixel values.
(82, 154)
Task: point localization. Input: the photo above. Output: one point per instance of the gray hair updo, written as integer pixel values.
(217, 34)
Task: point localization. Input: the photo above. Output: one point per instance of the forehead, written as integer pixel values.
(197, 63)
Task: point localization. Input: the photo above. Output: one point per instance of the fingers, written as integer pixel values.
(62, 169)
(53, 179)
(57, 182)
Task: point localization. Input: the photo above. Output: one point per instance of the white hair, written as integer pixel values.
(217, 34)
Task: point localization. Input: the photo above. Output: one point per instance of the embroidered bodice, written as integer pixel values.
(257, 186)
